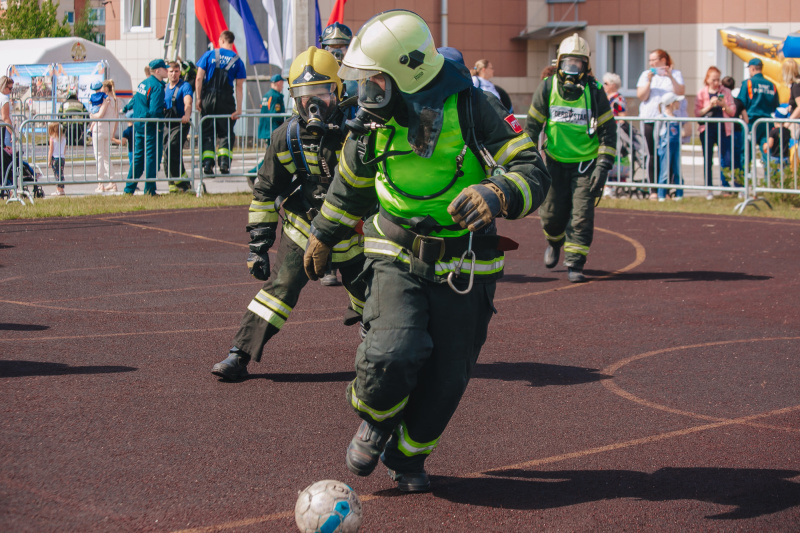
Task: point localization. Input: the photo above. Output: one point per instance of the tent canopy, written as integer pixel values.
(65, 51)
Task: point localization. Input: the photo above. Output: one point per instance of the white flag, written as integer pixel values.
(273, 36)
(288, 35)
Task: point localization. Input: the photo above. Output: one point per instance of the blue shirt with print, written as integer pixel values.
(181, 90)
(236, 72)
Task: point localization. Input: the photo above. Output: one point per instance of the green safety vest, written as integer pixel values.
(421, 177)
(566, 130)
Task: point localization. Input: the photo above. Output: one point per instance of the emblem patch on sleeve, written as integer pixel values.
(514, 123)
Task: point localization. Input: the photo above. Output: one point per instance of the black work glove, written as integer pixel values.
(477, 206)
(599, 176)
(261, 239)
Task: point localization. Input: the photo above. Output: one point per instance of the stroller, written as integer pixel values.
(634, 156)
(30, 178)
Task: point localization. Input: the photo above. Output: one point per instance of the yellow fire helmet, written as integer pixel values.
(313, 71)
(395, 42)
(574, 46)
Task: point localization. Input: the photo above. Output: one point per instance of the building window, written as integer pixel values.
(97, 16)
(70, 16)
(100, 38)
(139, 14)
(623, 54)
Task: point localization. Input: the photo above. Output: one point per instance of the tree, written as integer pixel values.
(26, 19)
(84, 26)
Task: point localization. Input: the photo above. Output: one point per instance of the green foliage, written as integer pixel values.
(26, 19)
(83, 26)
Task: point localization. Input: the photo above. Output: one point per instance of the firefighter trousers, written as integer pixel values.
(220, 128)
(271, 307)
(173, 154)
(567, 212)
(413, 367)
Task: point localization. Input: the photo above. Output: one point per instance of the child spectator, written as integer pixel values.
(96, 100)
(776, 149)
(669, 146)
(57, 153)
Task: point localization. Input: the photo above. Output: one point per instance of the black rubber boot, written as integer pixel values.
(208, 166)
(411, 481)
(365, 449)
(551, 255)
(224, 164)
(233, 367)
(575, 275)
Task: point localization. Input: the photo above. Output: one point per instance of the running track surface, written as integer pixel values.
(662, 396)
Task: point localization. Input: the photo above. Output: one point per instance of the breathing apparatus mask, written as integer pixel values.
(572, 72)
(377, 99)
(316, 104)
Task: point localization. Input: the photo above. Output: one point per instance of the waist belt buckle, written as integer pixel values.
(428, 249)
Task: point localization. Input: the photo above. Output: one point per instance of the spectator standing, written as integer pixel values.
(760, 99)
(177, 104)
(791, 77)
(148, 137)
(482, 72)
(272, 102)
(619, 107)
(654, 83)
(56, 154)
(103, 136)
(217, 72)
(8, 133)
(733, 161)
(714, 101)
(669, 146)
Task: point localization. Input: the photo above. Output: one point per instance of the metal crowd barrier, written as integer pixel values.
(771, 174)
(247, 150)
(8, 165)
(82, 150)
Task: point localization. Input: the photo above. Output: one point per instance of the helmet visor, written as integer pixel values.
(375, 92)
(319, 89)
(349, 73)
(571, 65)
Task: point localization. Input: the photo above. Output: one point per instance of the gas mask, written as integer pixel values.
(316, 104)
(571, 71)
(375, 101)
(337, 51)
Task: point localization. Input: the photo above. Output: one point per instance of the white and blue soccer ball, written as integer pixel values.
(328, 506)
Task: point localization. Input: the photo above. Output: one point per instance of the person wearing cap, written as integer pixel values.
(442, 160)
(760, 99)
(177, 104)
(776, 147)
(97, 98)
(272, 102)
(148, 137)
(217, 73)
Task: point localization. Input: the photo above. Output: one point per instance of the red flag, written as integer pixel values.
(209, 15)
(337, 13)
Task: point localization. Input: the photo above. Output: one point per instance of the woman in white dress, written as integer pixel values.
(103, 137)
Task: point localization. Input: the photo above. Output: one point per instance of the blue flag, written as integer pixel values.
(256, 51)
(318, 24)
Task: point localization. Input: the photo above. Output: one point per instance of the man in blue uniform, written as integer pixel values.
(148, 102)
(760, 99)
(272, 102)
(177, 104)
(217, 72)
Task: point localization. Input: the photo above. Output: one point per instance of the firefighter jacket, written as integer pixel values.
(430, 184)
(567, 122)
(297, 171)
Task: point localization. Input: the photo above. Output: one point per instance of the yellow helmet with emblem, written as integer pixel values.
(314, 68)
(397, 43)
(315, 87)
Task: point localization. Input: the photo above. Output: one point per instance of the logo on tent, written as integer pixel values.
(78, 52)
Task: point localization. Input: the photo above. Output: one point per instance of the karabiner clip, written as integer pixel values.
(457, 271)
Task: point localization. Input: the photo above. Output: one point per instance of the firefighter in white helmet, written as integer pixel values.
(580, 143)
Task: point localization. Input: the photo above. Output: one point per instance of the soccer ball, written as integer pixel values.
(328, 506)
